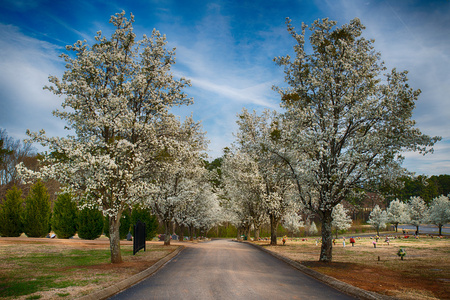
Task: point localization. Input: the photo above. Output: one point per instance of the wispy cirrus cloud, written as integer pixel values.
(26, 64)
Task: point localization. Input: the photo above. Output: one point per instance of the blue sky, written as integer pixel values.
(226, 49)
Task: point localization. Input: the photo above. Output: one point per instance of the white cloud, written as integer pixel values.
(26, 64)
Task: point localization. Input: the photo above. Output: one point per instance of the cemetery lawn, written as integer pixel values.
(32, 268)
(423, 274)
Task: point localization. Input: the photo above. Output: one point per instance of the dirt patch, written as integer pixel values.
(381, 280)
(424, 274)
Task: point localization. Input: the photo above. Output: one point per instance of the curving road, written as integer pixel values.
(223, 269)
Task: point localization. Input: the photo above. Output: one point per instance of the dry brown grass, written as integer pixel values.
(423, 274)
(26, 261)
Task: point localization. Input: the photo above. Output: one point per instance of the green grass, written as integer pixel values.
(63, 294)
(14, 282)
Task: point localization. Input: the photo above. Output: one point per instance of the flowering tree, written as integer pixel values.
(341, 218)
(439, 212)
(244, 190)
(117, 96)
(378, 218)
(417, 211)
(344, 123)
(397, 212)
(256, 136)
(292, 221)
(180, 165)
(200, 209)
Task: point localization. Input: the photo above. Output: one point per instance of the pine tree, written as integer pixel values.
(37, 211)
(125, 223)
(64, 219)
(11, 210)
(144, 215)
(90, 223)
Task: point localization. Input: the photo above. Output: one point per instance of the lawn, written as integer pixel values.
(423, 274)
(67, 269)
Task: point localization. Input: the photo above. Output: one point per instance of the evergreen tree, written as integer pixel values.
(37, 211)
(64, 219)
(125, 223)
(90, 223)
(144, 215)
(11, 213)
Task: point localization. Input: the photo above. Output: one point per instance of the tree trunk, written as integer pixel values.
(114, 239)
(417, 230)
(239, 230)
(257, 229)
(273, 230)
(191, 232)
(396, 227)
(247, 232)
(440, 229)
(327, 237)
(166, 233)
(181, 232)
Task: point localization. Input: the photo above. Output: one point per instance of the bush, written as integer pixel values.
(11, 213)
(37, 211)
(64, 219)
(125, 223)
(145, 216)
(90, 223)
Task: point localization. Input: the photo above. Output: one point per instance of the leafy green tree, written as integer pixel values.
(11, 213)
(443, 184)
(90, 223)
(37, 211)
(64, 219)
(144, 215)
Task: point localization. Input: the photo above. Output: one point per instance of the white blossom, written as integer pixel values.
(378, 218)
(439, 212)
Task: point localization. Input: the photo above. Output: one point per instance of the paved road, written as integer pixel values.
(425, 228)
(223, 269)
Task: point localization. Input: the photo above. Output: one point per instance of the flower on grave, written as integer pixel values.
(401, 252)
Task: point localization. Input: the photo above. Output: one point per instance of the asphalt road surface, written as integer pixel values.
(223, 269)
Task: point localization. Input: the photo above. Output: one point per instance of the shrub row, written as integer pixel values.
(33, 216)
